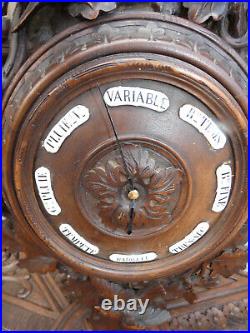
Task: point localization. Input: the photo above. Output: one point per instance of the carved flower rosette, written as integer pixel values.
(156, 179)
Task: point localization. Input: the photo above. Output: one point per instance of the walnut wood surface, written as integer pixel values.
(170, 49)
(30, 117)
(46, 302)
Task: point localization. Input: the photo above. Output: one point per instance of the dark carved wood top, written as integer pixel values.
(190, 209)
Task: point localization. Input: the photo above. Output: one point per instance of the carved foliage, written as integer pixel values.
(156, 183)
(12, 273)
(90, 10)
(229, 263)
(200, 12)
(232, 27)
(217, 317)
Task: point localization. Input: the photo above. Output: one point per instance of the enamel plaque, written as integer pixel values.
(224, 183)
(133, 258)
(64, 127)
(204, 125)
(43, 183)
(77, 240)
(190, 239)
(151, 99)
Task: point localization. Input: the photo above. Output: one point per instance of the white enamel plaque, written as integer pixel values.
(132, 258)
(190, 239)
(151, 99)
(43, 183)
(65, 126)
(224, 183)
(204, 125)
(77, 240)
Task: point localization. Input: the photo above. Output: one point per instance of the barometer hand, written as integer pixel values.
(133, 193)
(133, 196)
(130, 180)
(131, 216)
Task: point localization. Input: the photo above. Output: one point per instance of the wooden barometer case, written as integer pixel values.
(124, 157)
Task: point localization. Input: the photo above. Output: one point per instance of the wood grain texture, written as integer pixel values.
(63, 301)
(139, 117)
(168, 72)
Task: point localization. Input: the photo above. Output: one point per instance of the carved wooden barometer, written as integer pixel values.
(125, 147)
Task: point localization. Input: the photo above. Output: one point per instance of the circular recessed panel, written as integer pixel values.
(105, 190)
(130, 168)
(165, 154)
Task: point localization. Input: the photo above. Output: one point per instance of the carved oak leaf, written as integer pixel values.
(228, 264)
(240, 240)
(90, 10)
(165, 7)
(199, 12)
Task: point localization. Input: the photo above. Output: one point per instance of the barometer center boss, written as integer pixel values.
(129, 163)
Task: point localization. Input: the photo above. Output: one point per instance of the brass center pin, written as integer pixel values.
(133, 195)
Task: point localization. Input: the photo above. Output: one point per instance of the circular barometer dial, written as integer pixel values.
(131, 168)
